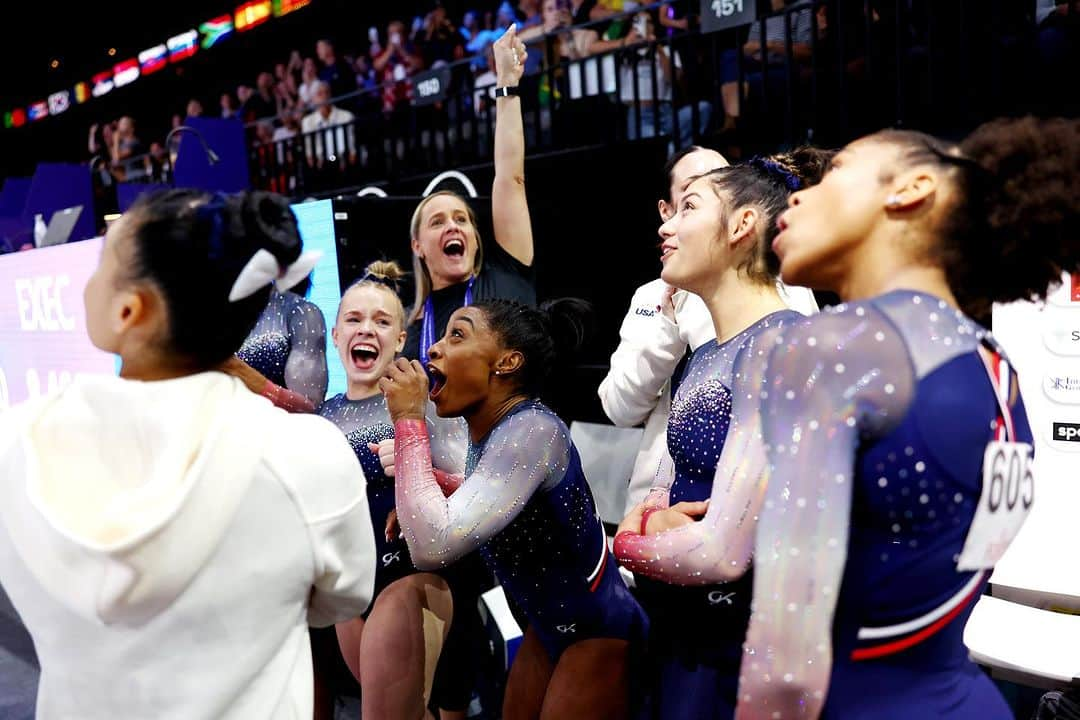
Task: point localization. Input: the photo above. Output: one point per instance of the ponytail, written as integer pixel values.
(549, 337)
(192, 246)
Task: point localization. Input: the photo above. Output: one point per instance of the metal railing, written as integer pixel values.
(842, 68)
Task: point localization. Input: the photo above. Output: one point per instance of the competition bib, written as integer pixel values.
(1008, 489)
(1008, 484)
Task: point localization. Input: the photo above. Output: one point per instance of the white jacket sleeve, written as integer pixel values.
(331, 493)
(650, 348)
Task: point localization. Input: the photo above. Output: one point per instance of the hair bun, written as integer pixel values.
(269, 222)
(571, 324)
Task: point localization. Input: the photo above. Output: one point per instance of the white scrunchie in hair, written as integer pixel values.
(263, 268)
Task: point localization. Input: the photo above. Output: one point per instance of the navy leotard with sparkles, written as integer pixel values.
(368, 421)
(552, 559)
(877, 426)
(915, 495)
(696, 643)
(288, 345)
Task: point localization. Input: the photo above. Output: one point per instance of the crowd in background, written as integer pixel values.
(369, 77)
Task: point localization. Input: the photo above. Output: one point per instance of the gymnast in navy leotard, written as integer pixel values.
(697, 632)
(393, 649)
(897, 445)
(524, 504)
(284, 356)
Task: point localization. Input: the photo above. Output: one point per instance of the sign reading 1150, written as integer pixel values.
(724, 14)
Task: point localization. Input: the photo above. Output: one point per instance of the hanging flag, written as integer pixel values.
(82, 92)
(18, 117)
(126, 72)
(284, 7)
(59, 102)
(8, 122)
(153, 59)
(103, 83)
(216, 30)
(251, 14)
(183, 46)
(37, 111)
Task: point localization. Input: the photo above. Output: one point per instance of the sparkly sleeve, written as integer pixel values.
(305, 369)
(840, 378)
(718, 548)
(521, 454)
(449, 443)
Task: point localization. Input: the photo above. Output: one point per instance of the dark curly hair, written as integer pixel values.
(766, 183)
(548, 337)
(1011, 229)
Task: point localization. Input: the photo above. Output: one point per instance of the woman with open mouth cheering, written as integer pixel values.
(450, 263)
(452, 269)
(392, 649)
(524, 503)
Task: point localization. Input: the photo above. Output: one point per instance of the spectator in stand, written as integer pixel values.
(285, 88)
(290, 125)
(470, 26)
(657, 113)
(440, 42)
(126, 149)
(484, 84)
(310, 76)
(296, 64)
(157, 164)
(100, 140)
(243, 93)
(495, 28)
(264, 132)
(675, 17)
(528, 13)
(261, 104)
(334, 72)
(770, 61)
(365, 74)
(229, 108)
(194, 108)
(580, 11)
(394, 65)
(328, 145)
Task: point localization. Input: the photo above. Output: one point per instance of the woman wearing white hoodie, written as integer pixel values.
(167, 536)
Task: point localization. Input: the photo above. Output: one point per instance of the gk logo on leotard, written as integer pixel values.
(719, 597)
(391, 557)
(565, 629)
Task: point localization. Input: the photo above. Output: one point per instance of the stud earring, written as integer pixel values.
(893, 201)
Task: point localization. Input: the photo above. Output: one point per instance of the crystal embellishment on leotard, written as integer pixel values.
(267, 353)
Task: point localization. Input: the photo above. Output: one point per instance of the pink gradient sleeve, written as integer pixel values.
(525, 452)
(840, 377)
(286, 399)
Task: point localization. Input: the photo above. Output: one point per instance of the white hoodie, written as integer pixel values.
(167, 544)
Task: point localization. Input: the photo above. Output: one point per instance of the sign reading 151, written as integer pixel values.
(723, 14)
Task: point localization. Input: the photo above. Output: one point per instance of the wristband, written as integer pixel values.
(507, 91)
(645, 518)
